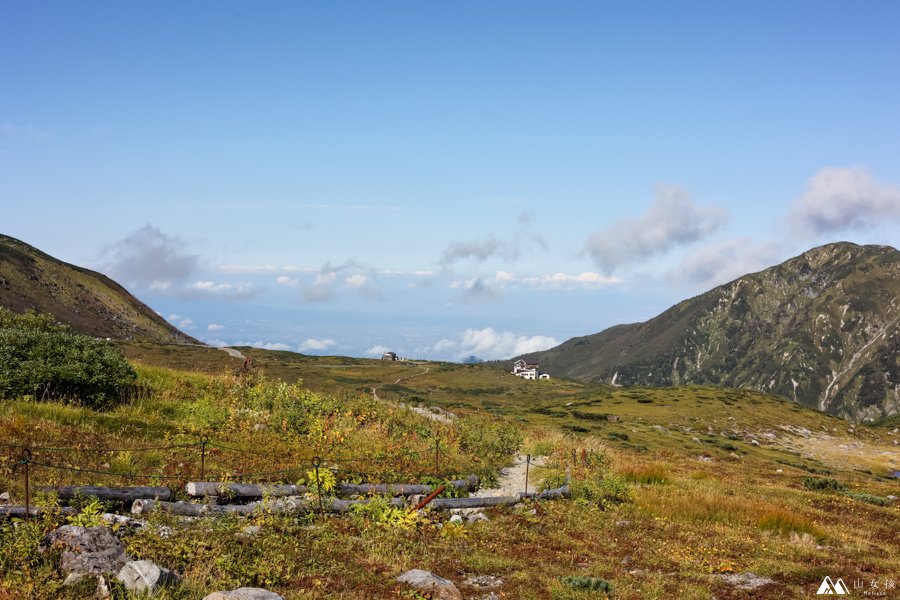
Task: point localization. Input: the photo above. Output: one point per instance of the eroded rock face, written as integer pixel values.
(426, 581)
(244, 593)
(87, 550)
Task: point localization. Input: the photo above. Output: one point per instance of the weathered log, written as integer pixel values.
(448, 503)
(383, 489)
(189, 509)
(483, 502)
(198, 489)
(288, 505)
(554, 494)
(120, 494)
(19, 511)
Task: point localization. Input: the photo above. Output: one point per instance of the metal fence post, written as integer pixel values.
(204, 440)
(527, 465)
(26, 459)
(316, 461)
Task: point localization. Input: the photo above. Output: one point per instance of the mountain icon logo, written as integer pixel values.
(833, 587)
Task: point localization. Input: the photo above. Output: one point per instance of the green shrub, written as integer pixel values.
(823, 484)
(45, 360)
(588, 583)
(870, 498)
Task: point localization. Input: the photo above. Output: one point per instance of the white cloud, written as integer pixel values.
(296, 269)
(185, 324)
(215, 327)
(672, 220)
(357, 280)
(314, 344)
(444, 345)
(842, 198)
(720, 263)
(246, 269)
(477, 289)
(286, 280)
(227, 291)
(264, 345)
(377, 350)
(217, 343)
(489, 344)
(587, 280)
(149, 257)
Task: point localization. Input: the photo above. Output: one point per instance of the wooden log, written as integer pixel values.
(448, 503)
(189, 509)
(383, 489)
(554, 494)
(120, 494)
(197, 489)
(19, 511)
(289, 505)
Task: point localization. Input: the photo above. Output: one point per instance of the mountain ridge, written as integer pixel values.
(822, 328)
(88, 301)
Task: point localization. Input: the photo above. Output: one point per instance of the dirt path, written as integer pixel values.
(512, 478)
(232, 352)
(435, 414)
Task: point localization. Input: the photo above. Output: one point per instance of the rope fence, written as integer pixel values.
(40, 457)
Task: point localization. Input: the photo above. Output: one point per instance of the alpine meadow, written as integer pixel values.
(470, 301)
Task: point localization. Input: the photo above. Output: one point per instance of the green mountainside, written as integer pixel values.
(822, 328)
(87, 301)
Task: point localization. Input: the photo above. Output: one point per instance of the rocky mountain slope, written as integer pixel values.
(822, 328)
(86, 300)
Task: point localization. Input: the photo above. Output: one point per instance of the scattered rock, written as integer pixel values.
(704, 458)
(164, 532)
(754, 442)
(769, 436)
(426, 581)
(4, 498)
(87, 550)
(145, 577)
(695, 439)
(456, 519)
(244, 593)
(745, 581)
(483, 581)
(623, 523)
(477, 517)
(250, 530)
(779, 470)
(891, 497)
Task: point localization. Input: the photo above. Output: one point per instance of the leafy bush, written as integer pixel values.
(45, 360)
(823, 484)
(588, 583)
(378, 512)
(870, 498)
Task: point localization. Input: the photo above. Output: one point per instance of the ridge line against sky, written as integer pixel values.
(443, 181)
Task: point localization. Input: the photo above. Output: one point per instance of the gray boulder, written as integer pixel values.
(86, 551)
(143, 577)
(244, 593)
(426, 581)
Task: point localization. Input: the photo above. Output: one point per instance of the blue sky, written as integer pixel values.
(442, 179)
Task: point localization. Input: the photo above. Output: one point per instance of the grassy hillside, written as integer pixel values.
(674, 489)
(822, 329)
(89, 302)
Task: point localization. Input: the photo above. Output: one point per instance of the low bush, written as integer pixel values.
(48, 361)
(823, 484)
